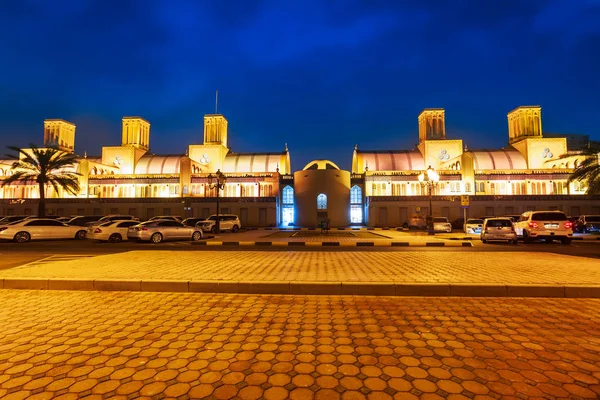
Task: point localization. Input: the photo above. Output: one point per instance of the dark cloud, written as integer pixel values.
(321, 76)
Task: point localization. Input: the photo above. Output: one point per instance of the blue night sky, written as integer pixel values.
(321, 76)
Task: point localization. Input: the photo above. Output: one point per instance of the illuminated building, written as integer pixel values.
(382, 189)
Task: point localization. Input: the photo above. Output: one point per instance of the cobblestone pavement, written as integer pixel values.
(69, 345)
(400, 267)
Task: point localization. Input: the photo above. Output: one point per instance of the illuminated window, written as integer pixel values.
(356, 214)
(322, 202)
(467, 187)
(356, 195)
(288, 195)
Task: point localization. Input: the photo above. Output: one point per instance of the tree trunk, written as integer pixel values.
(42, 203)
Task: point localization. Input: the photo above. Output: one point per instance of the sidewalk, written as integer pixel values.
(358, 273)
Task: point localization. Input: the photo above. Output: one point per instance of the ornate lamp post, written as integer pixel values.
(429, 178)
(217, 181)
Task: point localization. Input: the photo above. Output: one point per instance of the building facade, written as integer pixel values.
(382, 189)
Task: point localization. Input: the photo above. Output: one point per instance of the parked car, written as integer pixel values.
(192, 221)
(417, 222)
(84, 220)
(40, 228)
(11, 218)
(458, 223)
(441, 224)
(228, 222)
(113, 217)
(501, 228)
(112, 231)
(159, 230)
(513, 218)
(587, 223)
(169, 217)
(473, 226)
(547, 225)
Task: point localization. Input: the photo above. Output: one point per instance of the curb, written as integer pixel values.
(364, 228)
(332, 244)
(307, 288)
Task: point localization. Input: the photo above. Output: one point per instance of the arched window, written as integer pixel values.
(355, 195)
(322, 202)
(288, 195)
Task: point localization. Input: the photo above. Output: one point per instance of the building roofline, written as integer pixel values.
(231, 153)
(135, 117)
(388, 151)
(525, 107)
(58, 120)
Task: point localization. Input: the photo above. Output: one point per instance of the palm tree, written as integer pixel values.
(588, 170)
(44, 166)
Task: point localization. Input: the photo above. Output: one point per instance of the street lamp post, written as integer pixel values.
(429, 178)
(217, 181)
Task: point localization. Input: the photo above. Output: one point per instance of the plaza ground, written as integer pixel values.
(67, 345)
(70, 344)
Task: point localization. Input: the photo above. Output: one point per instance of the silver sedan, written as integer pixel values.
(158, 230)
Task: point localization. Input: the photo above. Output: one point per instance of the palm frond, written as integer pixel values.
(588, 170)
(44, 165)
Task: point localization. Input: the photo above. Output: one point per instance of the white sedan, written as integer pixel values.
(40, 228)
(473, 226)
(112, 231)
(441, 224)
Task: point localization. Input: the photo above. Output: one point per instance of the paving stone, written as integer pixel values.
(280, 347)
(425, 273)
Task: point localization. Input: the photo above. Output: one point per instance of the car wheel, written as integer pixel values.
(235, 228)
(196, 236)
(115, 238)
(483, 241)
(22, 237)
(514, 241)
(526, 238)
(80, 235)
(565, 241)
(156, 238)
(213, 229)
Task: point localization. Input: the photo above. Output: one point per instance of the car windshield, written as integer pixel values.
(108, 223)
(440, 219)
(592, 218)
(15, 222)
(212, 218)
(549, 216)
(474, 221)
(499, 223)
